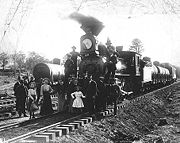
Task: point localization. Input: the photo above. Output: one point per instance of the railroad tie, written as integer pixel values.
(76, 125)
(50, 135)
(65, 130)
(35, 138)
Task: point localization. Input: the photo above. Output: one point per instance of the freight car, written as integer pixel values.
(46, 70)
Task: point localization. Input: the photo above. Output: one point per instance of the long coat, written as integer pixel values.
(21, 95)
(91, 95)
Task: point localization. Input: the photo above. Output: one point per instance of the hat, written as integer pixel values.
(46, 80)
(108, 42)
(73, 47)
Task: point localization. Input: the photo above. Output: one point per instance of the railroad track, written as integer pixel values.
(54, 131)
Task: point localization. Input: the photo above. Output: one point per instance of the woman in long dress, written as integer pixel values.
(78, 102)
(46, 90)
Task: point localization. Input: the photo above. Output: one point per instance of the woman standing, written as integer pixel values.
(46, 90)
(32, 95)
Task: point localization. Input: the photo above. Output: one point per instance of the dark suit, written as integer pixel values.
(91, 96)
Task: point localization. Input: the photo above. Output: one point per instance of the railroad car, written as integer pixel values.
(46, 70)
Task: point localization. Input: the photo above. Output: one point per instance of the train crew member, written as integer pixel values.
(101, 98)
(78, 104)
(60, 88)
(91, 95)
(32, 95)
(74, 56)
(69, 68)
(46, 90)
(21, 95)
(113, 62)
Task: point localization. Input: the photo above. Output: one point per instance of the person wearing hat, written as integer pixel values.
(21, 95)
(60, 88)
(74, 56)
(91, 94)
(45, 92)
(69, 68)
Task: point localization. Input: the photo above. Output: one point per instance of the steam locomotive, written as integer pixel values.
(136, 74)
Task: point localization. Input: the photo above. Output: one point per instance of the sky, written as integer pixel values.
(50, 32)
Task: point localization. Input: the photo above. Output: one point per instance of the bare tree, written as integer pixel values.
(4, 59)
(33, 59)
(136, 46)
(18, 59)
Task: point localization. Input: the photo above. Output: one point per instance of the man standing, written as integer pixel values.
(101, 98)
(91, 95)
(16, 85)
(21, 95)
(74, 56)
(115, 93)
(69, 64)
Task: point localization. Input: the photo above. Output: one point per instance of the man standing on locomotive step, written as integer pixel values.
(69, 64)
(74, 56)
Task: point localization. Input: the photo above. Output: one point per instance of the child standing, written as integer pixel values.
(32, 95)
(77, 103)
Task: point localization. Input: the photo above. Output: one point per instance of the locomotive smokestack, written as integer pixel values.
(88, 23)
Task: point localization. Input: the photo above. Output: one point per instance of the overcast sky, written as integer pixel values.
(50, 32)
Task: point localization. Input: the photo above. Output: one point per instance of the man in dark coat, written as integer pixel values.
(21, 95)
(69, 68)
(91, 95)
(101, 98)
(16, 85)
(74, 56)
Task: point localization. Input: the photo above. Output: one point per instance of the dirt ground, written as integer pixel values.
(6, 80)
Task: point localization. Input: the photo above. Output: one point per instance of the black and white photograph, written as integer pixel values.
(89, 71)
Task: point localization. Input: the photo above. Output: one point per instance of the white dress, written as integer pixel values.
(77, 103)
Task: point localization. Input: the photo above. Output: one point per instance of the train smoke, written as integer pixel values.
(90, 22)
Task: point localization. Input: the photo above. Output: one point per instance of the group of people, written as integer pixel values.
(26, 94)
(75, 96)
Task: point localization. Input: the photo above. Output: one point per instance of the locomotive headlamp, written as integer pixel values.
(87, 43)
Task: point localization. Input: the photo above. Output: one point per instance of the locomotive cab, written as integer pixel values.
(128, 68)
(128, 64)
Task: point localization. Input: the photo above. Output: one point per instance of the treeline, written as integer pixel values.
(19, 61)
